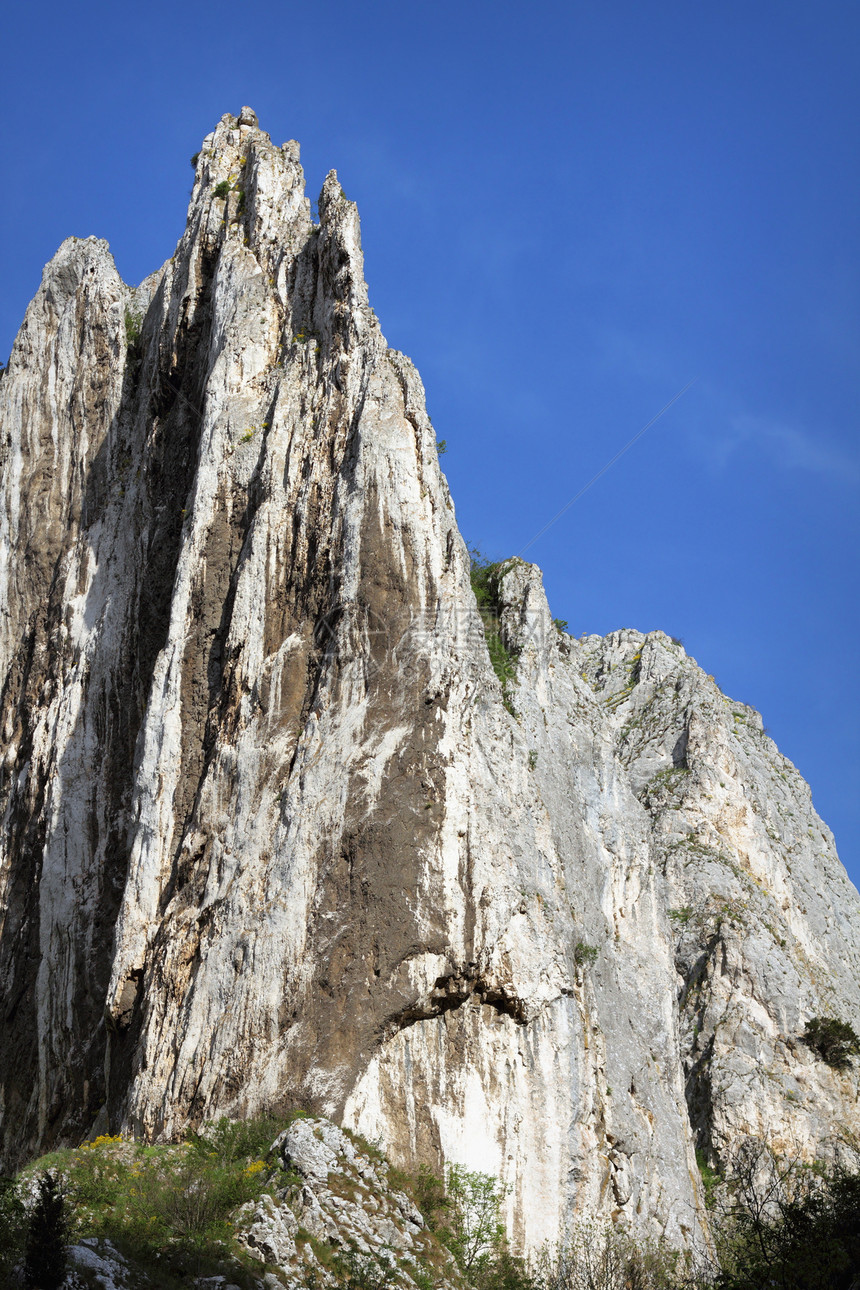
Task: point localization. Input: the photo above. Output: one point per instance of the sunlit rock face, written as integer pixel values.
(271, 834)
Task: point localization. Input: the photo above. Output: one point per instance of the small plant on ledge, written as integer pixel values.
(584, 955)
(133, 327)
(485, 577)
(836, 1042)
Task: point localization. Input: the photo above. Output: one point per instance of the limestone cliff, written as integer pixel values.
(272, 836)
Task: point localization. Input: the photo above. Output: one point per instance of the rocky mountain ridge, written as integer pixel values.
(273, 831)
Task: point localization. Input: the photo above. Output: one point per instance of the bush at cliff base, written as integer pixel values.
(169, 1208)
(45, 1263)
(807, 1242)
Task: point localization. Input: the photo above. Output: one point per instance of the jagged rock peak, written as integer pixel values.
(275, 830)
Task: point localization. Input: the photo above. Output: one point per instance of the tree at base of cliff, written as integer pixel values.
(45, 1262)
(787, 1224)
(809, 1244)
(13, 1227)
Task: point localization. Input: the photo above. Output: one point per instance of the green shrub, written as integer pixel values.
(463, 1211)
(222, 189)
(584, 954)
(430, 1197)
(150, 1201)
(427, 1191)
(505, 1271)
(356, 1271)
(13, 1227)
(95, 1175)
(836, 1042)
(791, 1225)
(186, 1205)
(133, 328)
(170, 1206)
(474, 1231)
(485, 578)
(239, 1140)
(711, 1179)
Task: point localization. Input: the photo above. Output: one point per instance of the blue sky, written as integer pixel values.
(568, 211)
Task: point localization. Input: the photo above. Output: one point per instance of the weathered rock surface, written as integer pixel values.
(344, 1200)
(270, 835)
(103, 1267)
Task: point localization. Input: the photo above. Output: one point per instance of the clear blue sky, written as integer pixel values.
(568, 211)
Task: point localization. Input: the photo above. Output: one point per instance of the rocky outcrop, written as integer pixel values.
(272, 834)
(764, 916)
(342, 1205)
(331, 1214)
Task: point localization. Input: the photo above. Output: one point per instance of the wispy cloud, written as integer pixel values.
(789, 446)
(715, 428)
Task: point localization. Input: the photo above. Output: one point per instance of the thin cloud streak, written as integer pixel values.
(785, 445)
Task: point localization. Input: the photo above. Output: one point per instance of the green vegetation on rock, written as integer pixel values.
(133, 327)
(175, 1211)
(836, 1042)
(167, 1207)
(486, 577)
(583, 954)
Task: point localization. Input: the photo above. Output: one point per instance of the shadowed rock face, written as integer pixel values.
(269, 834)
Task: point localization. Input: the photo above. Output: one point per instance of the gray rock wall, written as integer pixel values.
(270, 834)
